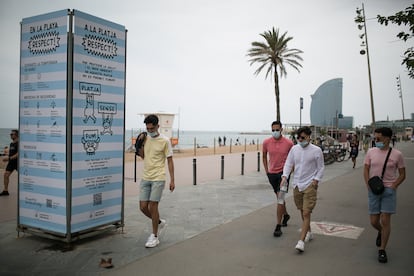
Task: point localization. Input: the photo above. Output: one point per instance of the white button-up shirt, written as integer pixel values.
(308, 164)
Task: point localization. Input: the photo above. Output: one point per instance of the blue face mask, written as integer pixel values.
(276, 134)
(379, 145)
(303, 143)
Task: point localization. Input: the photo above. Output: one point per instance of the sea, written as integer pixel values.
(190, 138)
(186, 138)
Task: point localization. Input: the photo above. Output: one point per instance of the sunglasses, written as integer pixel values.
(301, 137)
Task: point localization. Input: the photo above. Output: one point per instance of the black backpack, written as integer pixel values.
(139, 142)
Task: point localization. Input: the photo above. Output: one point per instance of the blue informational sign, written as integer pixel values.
(71, 122)
(43, 101)
(98, 121)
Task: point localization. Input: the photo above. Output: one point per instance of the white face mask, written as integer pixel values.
(303, 143)
(153, 134)
(276, 134)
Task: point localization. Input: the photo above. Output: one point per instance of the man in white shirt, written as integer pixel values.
(307, 161)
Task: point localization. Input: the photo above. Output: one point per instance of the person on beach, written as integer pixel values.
(12, 159)
(307, 161)
(275, 152)
(354, 144)
(157, 150)
(381, 207)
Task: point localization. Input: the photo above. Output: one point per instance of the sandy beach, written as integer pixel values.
(129, 156)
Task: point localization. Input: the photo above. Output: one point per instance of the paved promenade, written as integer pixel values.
(225, 227)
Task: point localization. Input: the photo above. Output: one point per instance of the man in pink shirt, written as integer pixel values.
(382, 206)
(275, 152)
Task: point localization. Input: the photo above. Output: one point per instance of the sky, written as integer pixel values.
(188, 57)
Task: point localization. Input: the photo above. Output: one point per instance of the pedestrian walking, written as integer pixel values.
(12, 160)
(354, 149)
(157, 150)
(382, 206)
(275, 152)
(307, 161)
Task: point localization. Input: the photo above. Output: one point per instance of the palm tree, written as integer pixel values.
(274, 54)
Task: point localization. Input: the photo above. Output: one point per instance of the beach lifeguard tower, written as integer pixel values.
(166, 121)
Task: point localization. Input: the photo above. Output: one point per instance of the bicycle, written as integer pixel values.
(328, 155)
(340, 153)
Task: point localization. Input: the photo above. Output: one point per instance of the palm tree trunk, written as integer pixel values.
(277, 94)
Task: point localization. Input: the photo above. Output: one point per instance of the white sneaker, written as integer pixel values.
(309, 237)
(152, 241)
(161, 225)
(300, 246)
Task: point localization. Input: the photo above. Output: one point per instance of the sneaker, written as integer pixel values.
(378, 240)
(309, 237)
(382, 256)
(286, 217)
(278, 231)
(161, 225)
(300, 246)
(152, 241)
(4, 193)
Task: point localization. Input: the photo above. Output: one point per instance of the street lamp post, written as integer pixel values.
(300, 111)
(399, 89)
(360, 20)
(336, 125)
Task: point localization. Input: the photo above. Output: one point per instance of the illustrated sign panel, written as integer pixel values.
(43, 101)
(98, 121)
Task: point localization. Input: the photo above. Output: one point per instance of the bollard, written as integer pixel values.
(258, 161)
(194, 171)
(242, 164)
(135, 169)
(222, 167)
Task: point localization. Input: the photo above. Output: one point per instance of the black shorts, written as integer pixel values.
(11, 166)
(274, 180)
(354, 153)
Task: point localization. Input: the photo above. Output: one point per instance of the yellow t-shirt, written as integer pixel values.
(156, 151)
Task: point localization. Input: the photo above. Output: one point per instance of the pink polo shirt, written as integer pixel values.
(277, 151)
(375, 159)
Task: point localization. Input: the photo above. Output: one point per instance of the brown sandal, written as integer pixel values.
(106, 263)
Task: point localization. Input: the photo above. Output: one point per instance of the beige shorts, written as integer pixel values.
(305, 200)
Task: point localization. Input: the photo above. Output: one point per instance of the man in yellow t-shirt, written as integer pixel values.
(157, 149)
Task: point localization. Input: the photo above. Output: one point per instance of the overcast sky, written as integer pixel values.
(189, 57)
